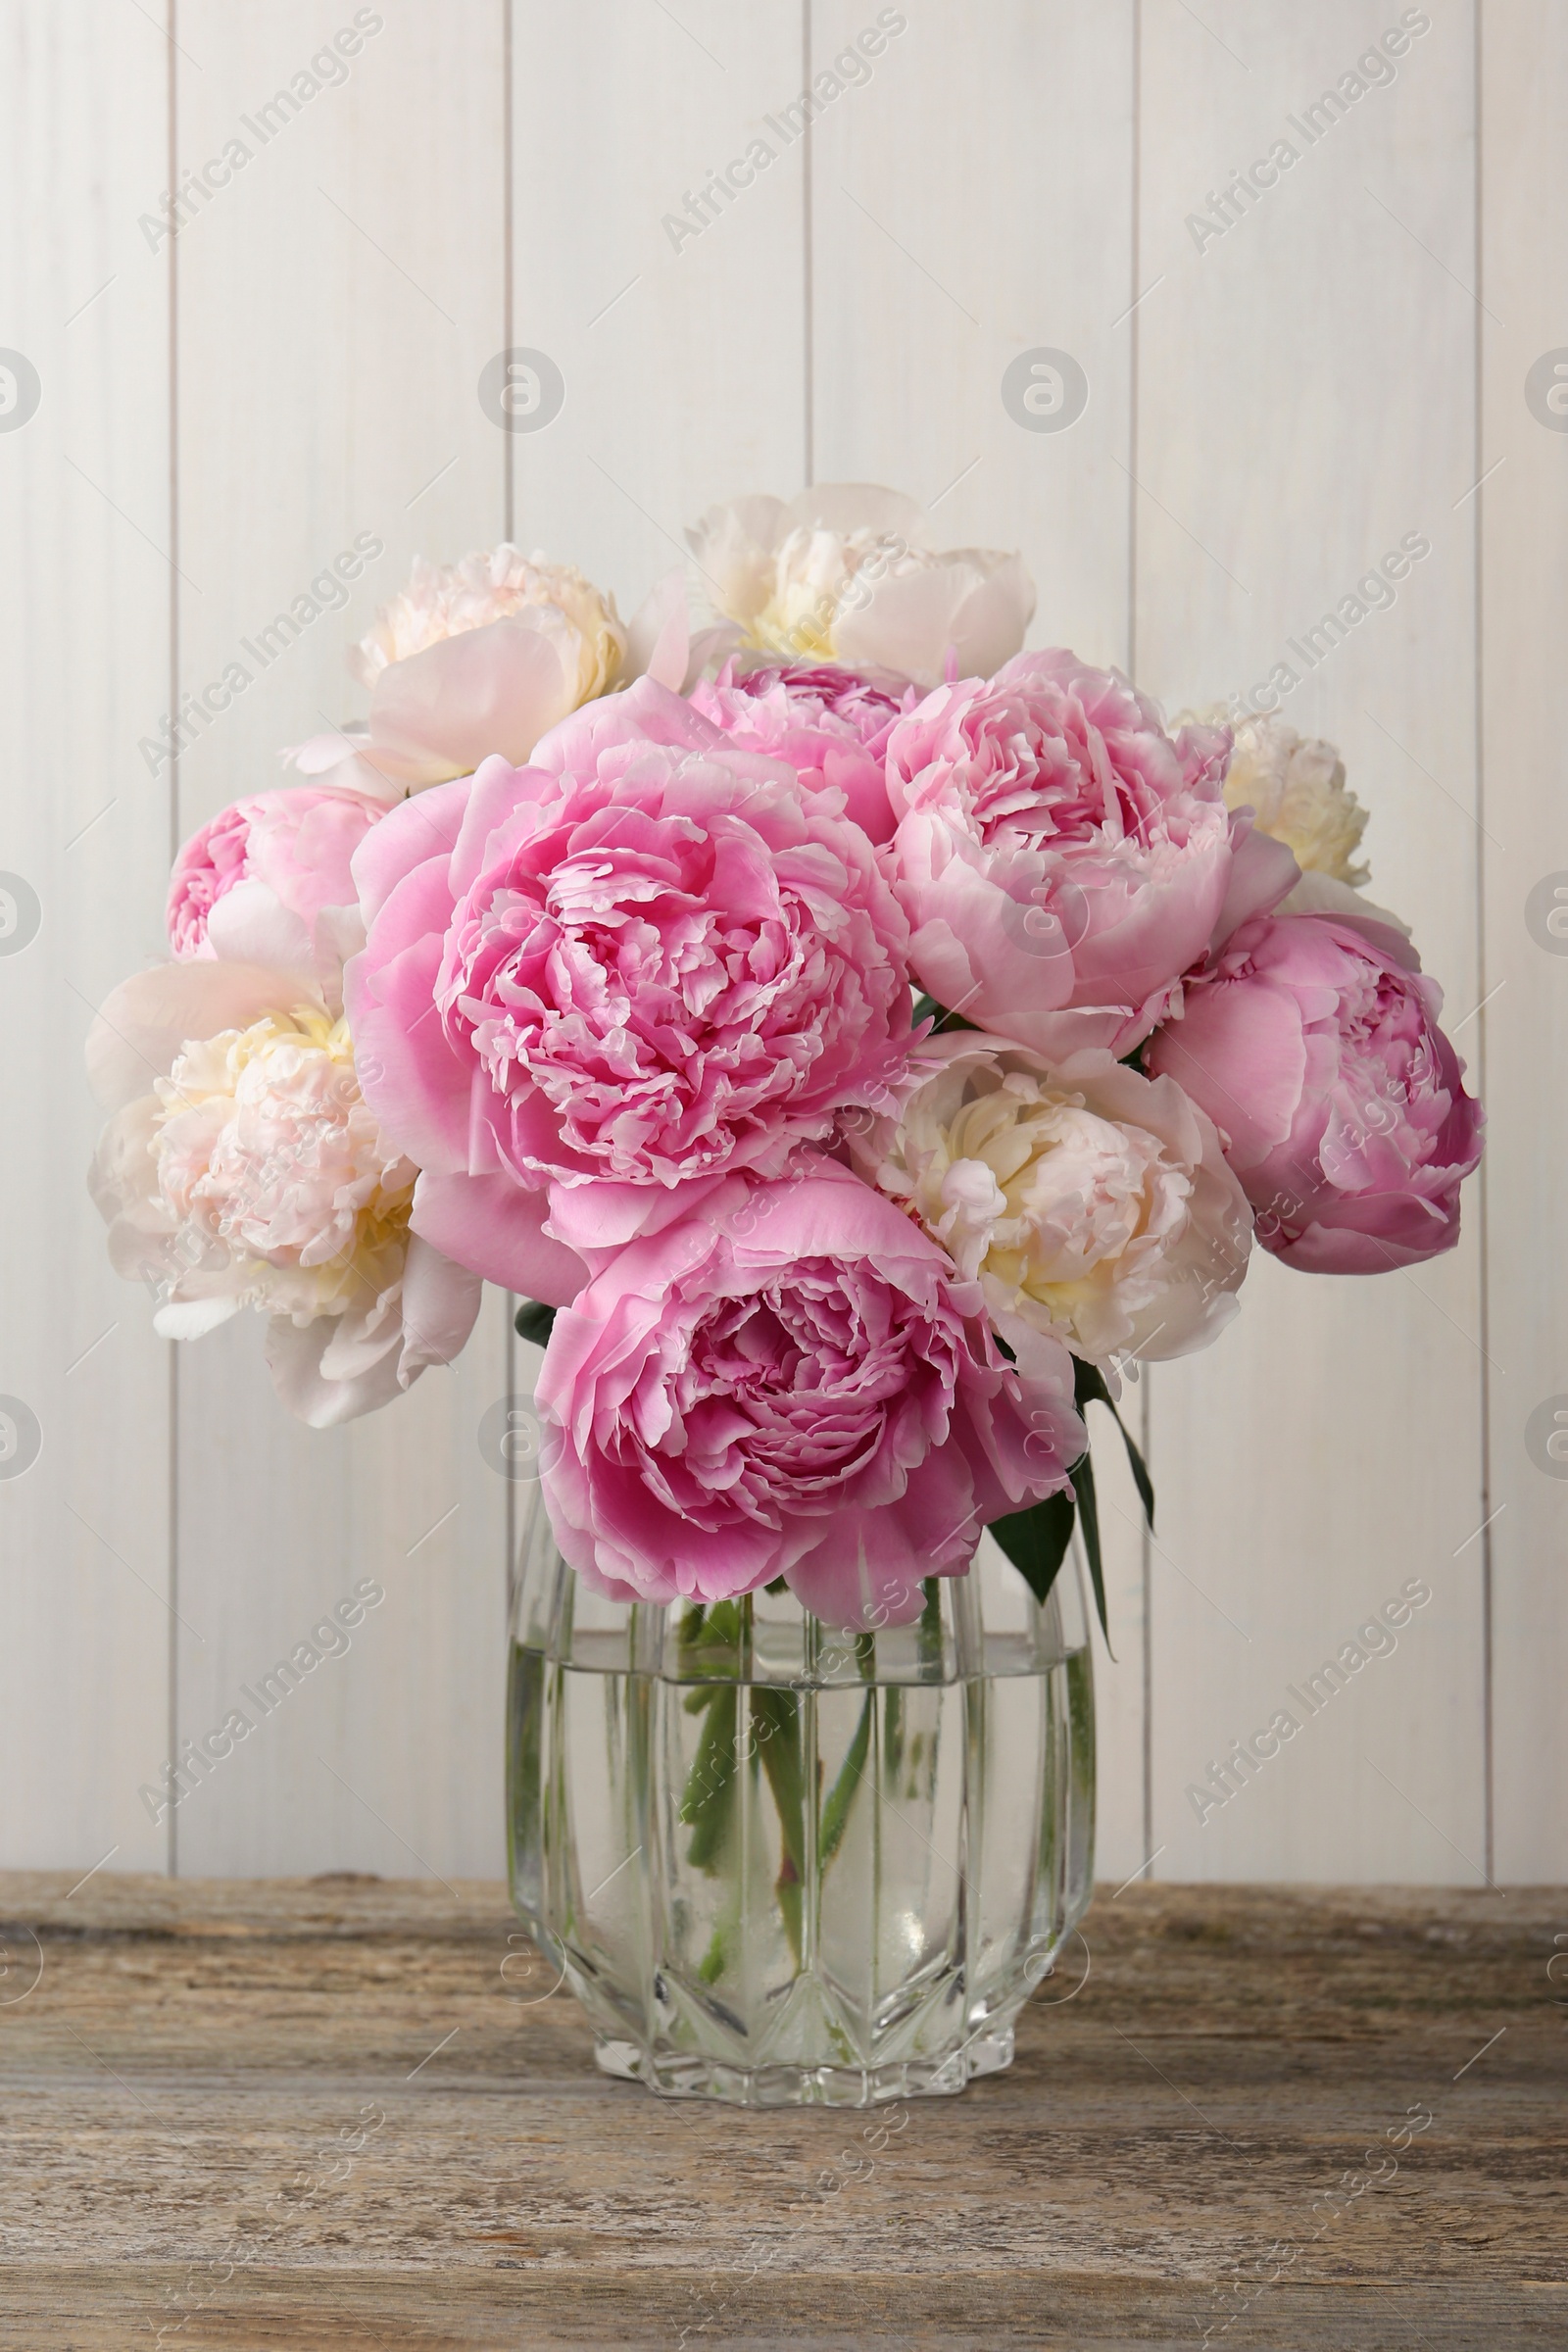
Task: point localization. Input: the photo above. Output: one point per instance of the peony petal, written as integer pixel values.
(417, 1087)
(658, 636)
(605, 1215)
(1239, 1051)
(915, 622)
(1321, 894)
(441, 1302)
(710, 648)
(492, 1226)
(733, 546)
(294, 1354)
(147, 1020)
(412, 835)
(495, 689)
(647, 712)
(249, 924)
(1262, 871)
(867, 1571)
(193, 1318)
(1375, 1235)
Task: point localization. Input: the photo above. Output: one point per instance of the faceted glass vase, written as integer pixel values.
(780, 1864)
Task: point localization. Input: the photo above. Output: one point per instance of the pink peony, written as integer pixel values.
(267, 881)
(1312, 1042)
(792, 1381)
(831, 725)
(643, 961)
(1065, 860)
(242, 1167)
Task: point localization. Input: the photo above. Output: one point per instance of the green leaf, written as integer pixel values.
(926, 1009)
(777, 1712)
(836, 1811)
(707, 1804)
(1083, 1486)
(1089, 1388)
(1036, 1541)
(535, 1322)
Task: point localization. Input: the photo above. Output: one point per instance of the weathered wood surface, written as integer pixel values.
(186, 2064)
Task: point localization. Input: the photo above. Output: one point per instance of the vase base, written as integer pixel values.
(682, 2077)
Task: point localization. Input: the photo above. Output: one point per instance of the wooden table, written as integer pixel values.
(351, 2112)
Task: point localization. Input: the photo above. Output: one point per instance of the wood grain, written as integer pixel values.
(178, 2058)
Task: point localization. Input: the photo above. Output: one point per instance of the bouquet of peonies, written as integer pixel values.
(586, 965)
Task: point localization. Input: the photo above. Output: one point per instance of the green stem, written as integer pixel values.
(776, 1716)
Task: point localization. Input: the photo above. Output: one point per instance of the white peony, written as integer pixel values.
(255, 1174)
(1088, 1199)
(846, 573)
(500, 583)
(1296, 784)
(486, 655)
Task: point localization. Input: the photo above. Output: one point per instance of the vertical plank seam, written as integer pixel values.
(1488, 1782)
(1146, 1563)
(508, 1361)
(170, 88)
(509, 491)
(807, 288)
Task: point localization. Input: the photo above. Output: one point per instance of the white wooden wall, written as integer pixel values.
(220, 417)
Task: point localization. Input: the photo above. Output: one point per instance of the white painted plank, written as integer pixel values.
(337, 301)
(83, 669)
(933, 270)
(682, 352)
(1306, 398)
(1524, 510)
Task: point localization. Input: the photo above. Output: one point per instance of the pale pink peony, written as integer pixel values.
(845, 572)
(830, 724)
(483, 657)
(252, 1173)
(643, 961)
(1063, 859)
(500, 583)
(1312, 1042)
(267, 881)
(480, 657)
(1087, 1199)
(792, 1381)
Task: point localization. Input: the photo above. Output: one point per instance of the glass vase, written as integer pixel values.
(780, 1864)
